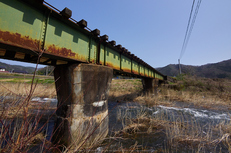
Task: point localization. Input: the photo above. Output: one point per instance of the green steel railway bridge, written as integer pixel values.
(36, 32)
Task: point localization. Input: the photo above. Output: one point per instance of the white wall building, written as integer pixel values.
(2, 68)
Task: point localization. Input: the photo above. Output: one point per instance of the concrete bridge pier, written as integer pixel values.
(150, 85)
(82, 111)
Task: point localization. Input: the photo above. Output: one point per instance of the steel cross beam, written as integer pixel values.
(32, 27)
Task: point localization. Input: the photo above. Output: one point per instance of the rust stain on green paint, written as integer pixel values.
(113, 66)
(60, 51)
(135, 72)
(126, 70)
(18, 39)
(101, 63)
(64, 52)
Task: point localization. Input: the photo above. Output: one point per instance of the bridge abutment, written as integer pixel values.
(82, 111)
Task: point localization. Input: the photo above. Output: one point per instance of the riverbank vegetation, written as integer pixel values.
(213, 94)
(202, 92)
(166, 132)
(177, 132)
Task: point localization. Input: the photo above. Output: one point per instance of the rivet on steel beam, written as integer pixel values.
(96, 32)
(66, 12)
(113, 43)
(104, 37)
(82, 23)
(119, 46)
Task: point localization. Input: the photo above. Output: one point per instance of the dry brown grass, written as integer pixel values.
(207, 93)
(168, 96)
(22, 89)
(19, 128)
(17, 105)
(17, 93)
(201, 92)
(125, 89)
(180, 134)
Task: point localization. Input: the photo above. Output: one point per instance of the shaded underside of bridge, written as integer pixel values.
(29, 28)
(36, 32)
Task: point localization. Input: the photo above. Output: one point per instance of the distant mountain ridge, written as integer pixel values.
(9, 68)
(213, 70)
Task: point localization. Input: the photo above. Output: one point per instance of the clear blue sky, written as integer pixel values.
(154, 30)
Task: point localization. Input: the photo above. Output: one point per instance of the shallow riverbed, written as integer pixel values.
(200, 129)
(189, 128)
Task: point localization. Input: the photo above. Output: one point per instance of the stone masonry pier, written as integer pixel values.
(82, 92)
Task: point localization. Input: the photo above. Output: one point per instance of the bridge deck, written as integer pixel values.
(31, 27)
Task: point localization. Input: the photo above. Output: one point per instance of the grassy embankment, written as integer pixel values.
(179, 135)
(203, 92)
(207, 93)
(20, 126)
(20, 84)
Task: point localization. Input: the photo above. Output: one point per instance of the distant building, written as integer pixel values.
(2, 69)
(20, 71)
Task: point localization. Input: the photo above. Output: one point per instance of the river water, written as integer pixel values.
(207, 125)
(202, 129)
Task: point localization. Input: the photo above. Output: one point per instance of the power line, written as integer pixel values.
(185, 37)
(189, 31)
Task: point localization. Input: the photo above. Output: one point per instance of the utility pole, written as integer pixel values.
(46, 70)
(179, 66)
